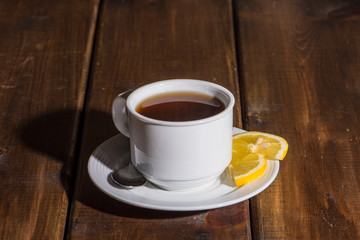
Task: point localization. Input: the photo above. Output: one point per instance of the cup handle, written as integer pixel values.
(119, 113)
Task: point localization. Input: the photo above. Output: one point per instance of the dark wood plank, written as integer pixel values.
(140, 42)
(45, 50)
(300, 79)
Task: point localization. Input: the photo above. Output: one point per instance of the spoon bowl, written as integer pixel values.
(128, 176)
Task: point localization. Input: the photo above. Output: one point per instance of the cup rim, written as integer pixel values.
(228, 108)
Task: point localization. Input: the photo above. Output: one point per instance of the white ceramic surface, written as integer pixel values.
(223, 192)
(178, 155)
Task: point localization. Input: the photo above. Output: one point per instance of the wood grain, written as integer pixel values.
(45, 52)
(300, 78)
(140, 42)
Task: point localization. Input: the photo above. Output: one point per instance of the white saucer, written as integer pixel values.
(114, 153)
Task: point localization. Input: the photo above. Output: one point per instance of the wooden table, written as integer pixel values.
(293, 66)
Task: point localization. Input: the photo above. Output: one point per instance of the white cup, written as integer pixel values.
(177, 155)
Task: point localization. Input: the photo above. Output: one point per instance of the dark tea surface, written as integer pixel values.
(180, 106)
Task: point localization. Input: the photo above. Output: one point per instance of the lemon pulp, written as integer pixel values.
(250, 153)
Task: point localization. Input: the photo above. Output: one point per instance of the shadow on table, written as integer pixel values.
(57, 135)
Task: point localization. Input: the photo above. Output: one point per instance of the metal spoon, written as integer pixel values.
(128, 176)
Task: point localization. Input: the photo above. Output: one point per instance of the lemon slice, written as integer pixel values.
(247, 168)
(272, 146)
(250, 153)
